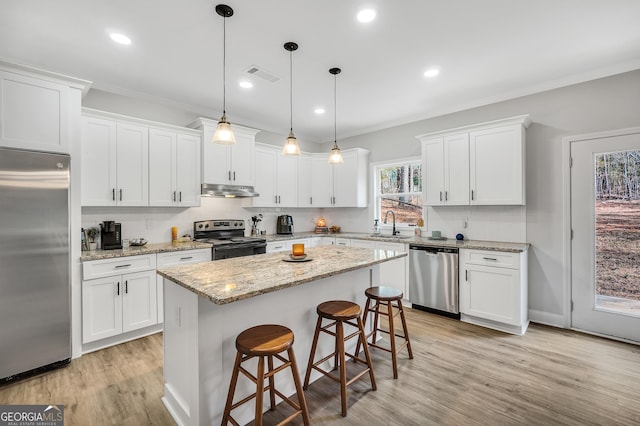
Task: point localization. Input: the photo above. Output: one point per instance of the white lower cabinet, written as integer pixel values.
(118, 303)
(345, 242)
(493, 289)
(165, 260)
(287, 245)
(327, 241)
(393, 273)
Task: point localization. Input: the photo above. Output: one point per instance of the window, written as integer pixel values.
(398, 187)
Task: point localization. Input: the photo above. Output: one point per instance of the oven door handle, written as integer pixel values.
(239, 246)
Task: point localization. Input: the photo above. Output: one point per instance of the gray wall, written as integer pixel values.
(603, 104)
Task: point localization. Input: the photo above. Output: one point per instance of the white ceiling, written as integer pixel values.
(486, 50)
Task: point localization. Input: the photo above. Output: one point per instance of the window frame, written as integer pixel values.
(376, 196)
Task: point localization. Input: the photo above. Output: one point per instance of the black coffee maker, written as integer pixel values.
(284, 225)
(110, 235)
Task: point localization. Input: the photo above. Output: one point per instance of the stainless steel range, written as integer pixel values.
(227, 237)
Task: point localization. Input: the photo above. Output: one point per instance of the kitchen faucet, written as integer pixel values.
(393, 215)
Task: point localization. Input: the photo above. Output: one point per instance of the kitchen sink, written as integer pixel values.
(390, 237)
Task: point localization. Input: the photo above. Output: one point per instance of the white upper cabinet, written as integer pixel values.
(276, 178)
(115, 163)
(38, 110)
(497, 166)
(321, 181)
(340, 185)
(227, 164)
(305, 176)
(482, 164)
(133, 162)
(98, 162)
(446, 170)
(132, 165)
(174, 168)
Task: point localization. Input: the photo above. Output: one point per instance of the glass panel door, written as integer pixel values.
(605, 249)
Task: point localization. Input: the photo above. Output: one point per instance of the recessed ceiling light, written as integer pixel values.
(366, 15)
(246, 84)
(120, 38)
(432, 72)
(319, 110)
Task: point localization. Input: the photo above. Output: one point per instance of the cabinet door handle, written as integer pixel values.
(174, 196)
(118, 289)
(229, 174)
(123, 266)
(440, 195)
(126, 286)
(310, 200)
(466, 275)
(121, 195)
(180, 199)
(490, 258)
(472, 195)
(113, 194)
(234, 176)
(186, 258)
(279, 199)
(275, 199)
(446, 195)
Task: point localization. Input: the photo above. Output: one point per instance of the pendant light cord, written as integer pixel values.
(291, 88)
(224, 66)
(335, 113)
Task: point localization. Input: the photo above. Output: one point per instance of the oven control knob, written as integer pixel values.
(237, 224)
(199, 226)
(207, 225)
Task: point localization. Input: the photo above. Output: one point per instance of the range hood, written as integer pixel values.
(227, 191)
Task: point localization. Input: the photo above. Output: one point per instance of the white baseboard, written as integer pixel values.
(546, 318)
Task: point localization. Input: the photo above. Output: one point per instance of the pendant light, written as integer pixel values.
(291, 145)
(336, 156)
(224, 135)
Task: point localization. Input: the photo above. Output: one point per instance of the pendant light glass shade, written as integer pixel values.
(224, 135)
(291, 145)
(335, 157)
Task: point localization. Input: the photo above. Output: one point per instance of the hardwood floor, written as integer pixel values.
(461, 374)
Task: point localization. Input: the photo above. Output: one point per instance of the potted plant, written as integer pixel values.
(92, 233)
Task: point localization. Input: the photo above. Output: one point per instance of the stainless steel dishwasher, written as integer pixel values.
(433, 279)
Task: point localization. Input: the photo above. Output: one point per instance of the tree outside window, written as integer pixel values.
(399, 189)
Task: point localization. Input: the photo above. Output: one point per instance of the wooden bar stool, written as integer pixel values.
(384, 297)
(265, 341)
(340, 312)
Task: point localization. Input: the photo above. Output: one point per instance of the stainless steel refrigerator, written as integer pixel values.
(35, 311)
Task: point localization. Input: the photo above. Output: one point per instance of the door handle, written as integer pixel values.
(126, 286)
(229, 174)
(440, 195)
(123, 266)
(466, 275)
(310, 200)
(118, 289)
(120, 194)
(174, 196)
(234, 176)
(490, 258)
(446, 195)
(113, 194)
(472, 195)
(186, 258)
(180, 199)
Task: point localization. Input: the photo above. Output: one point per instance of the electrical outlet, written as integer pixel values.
(149, 224)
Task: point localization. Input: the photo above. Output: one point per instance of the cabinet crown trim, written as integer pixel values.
(29, 71)
(95, 113)
(200, 123)
(523, 120)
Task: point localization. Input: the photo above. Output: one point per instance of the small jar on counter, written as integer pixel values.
(174, 234)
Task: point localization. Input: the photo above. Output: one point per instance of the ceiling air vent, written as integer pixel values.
(257, 71)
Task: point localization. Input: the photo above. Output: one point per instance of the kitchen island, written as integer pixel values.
(208, 304)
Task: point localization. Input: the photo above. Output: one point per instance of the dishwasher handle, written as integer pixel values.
(433, 249)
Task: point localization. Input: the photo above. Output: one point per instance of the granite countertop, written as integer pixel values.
(230, 280)
(146, 249)
(449, 242)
